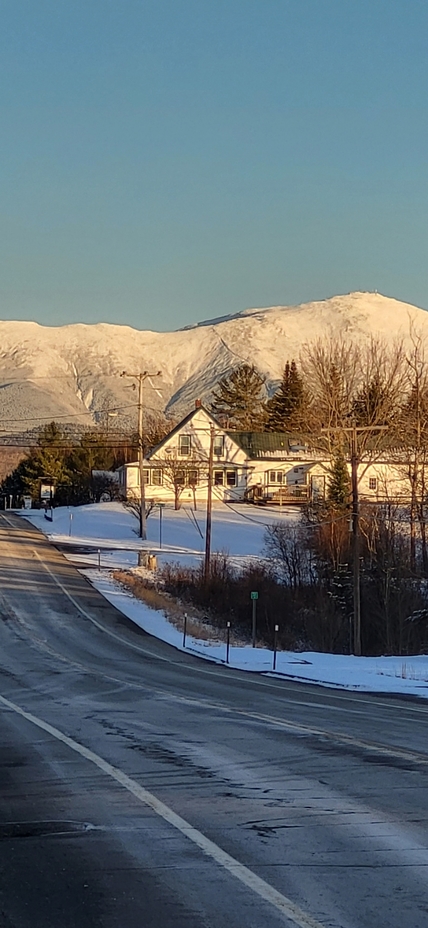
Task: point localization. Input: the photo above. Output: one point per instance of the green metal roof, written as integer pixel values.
(267, 444)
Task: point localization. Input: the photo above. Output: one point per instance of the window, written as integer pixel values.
(180, 479)
(276, 476)
(184, 445)
(193, 478)
(372, 483)
(218, 478)
(231, 478)
(157, 477)
(146, 477)
(218, 445)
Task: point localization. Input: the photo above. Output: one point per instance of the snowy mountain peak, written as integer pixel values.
(73, 372)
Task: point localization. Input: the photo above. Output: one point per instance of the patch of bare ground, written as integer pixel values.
(145, 589)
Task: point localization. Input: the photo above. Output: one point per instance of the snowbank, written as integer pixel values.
(111, 530)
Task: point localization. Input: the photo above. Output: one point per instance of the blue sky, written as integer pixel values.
(166, 161)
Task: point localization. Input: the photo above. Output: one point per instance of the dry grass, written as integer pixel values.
(197, 623)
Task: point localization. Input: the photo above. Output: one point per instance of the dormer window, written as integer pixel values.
(184, 445)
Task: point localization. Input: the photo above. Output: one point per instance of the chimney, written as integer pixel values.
(198, 404)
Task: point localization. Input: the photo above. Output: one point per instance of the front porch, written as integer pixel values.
(279, 496)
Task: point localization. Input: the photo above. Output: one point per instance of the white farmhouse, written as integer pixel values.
(263, 467)
(255, 466)
(177, 468)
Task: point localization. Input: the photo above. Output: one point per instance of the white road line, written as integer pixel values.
(371, 746)
(387, 751)
(255, 682)
(335, 694)
(91, 619)
(242, 873)
(338, 737)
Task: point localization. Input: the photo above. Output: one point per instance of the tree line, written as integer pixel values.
(333, 383)
(67, 461)
(240, 402)
(380, 388)
(338, 390)
(68, 457)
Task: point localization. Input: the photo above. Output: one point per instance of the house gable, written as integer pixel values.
(190, 440)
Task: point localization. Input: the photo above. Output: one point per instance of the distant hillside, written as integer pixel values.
(73, 371)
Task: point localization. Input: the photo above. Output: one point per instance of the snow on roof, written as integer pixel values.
(279, 445)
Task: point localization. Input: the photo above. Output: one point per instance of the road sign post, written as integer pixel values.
(275, 645)
(227, 642)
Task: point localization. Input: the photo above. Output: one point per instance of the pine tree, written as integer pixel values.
(47, 460)
(339, 485)
(284, 409)
(372, 405)
(238, 398)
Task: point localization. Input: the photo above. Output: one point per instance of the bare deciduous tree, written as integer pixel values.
(381, 385)
(412, 450)
(156, 427)
(330, 372)
(179, 474)
(349, 384)
(286, 546)
(133, 505)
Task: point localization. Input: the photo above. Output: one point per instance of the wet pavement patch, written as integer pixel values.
(42, 829)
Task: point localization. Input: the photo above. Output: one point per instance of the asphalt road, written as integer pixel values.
(142, 787)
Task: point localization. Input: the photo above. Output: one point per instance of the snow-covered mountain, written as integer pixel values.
(73, 371)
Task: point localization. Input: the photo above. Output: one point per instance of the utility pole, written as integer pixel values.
(355, 543)
(355, 524)
(140, 378)
(209, 505)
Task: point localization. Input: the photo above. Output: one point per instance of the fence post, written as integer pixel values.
(99, 559)
(161, 506)
(185, 630)
(275, 640)
(227, 642)
(254, 598)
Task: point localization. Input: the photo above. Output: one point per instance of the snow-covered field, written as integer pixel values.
(114, 530)
(107, 533)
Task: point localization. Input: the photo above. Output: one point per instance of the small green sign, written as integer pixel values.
(254, 595)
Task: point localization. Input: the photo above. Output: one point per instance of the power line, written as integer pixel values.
(140, 377)
(73, 415)
(238, 513)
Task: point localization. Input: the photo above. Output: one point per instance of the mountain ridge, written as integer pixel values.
(73, 371)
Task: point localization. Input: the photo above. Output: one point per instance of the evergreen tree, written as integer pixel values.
(373, 405)
(47, 460)
(13, 485)
(339, 484)
(67, 462)
(284, 409)
(239, 399)
(95, 451)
